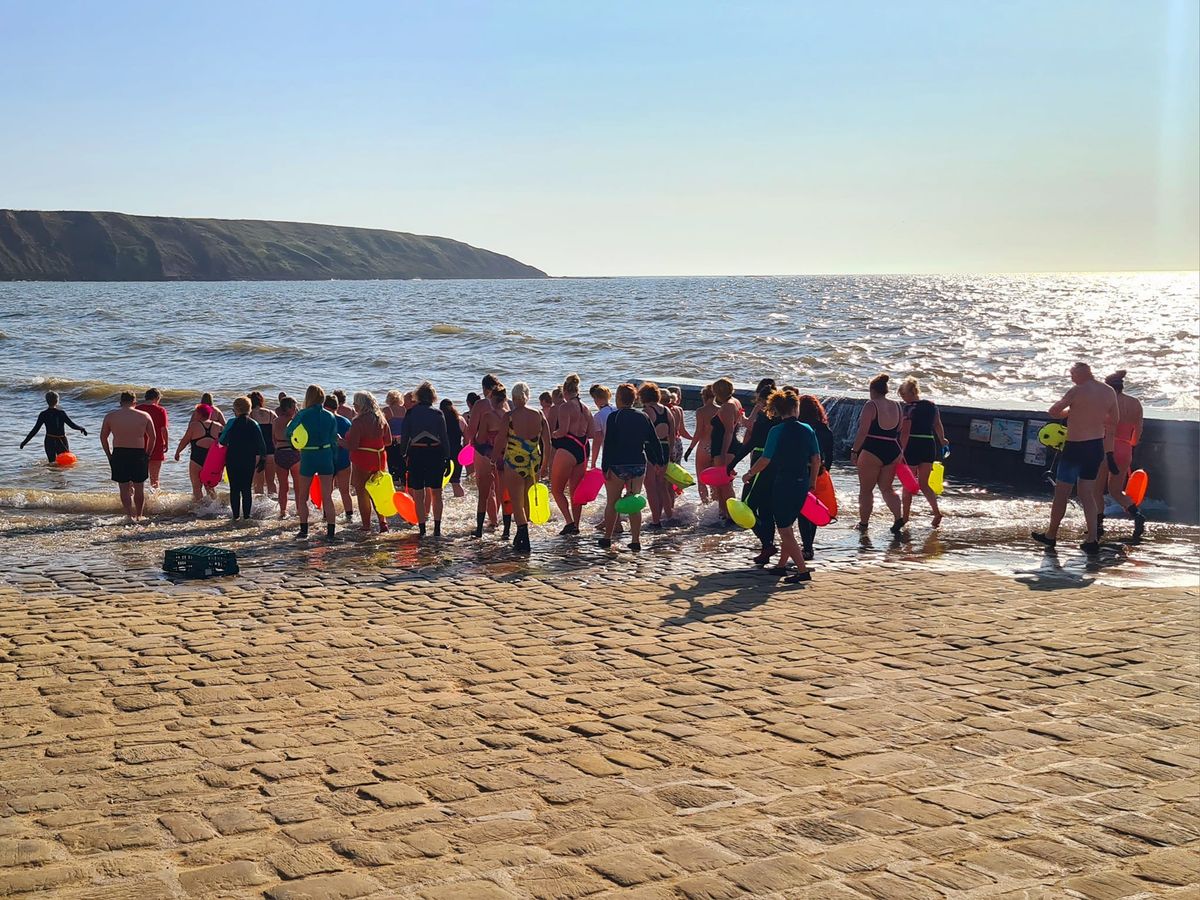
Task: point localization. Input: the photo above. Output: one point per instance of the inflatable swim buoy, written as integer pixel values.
(937, 478)
(405, 506)
(300, 437)
(314, 491)
(630, 504)
(908, 478)
(539, 504)
(741, 514)
(449, 472)
(679, 476)
(588, 488)
(815, 511)
(716, 476)
(825, 493)
(1136, 487)
(466, 456)
(380, 487)
(1053, 436)
(214, 465)
(66, 458)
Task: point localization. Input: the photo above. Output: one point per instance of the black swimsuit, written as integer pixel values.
(55, 421)
(883, 443)
(573, 444)
(922, 443)
(718, 438)
(198, 453)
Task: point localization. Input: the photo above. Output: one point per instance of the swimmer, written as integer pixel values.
(812, 414)
(131, 432)
(1125, 435)
(756, 492)
(341, 475)
(483, 429)
(629, 445)
(246, 454)
(1093, 417)
(152, 406)
(569, 437)
(318, 458)
(922, 437)
(655, 479)
(523, 460)
(792, 451)
(875, 452)
(264, 478)
(723, 441)
(287, 457)
(702, 438)
(367, 442)
(201, 433)
(56, 422)
(426, 447)
(455, 426)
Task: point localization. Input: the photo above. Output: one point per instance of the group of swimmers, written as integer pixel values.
(631, 435)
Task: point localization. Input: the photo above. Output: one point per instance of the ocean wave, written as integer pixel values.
(444, 328)
(162, 503)
(263, 349)
(93, 390)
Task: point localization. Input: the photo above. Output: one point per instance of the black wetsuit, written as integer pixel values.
(629, 441)
(757, 492)
(425, 443)
(55, 421)
(244, 448)
(791, 446)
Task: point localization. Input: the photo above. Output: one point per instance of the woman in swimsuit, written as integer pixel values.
(201, 433)
(206, 399)
(630, 444)
(342, 409)
(523, 459)
(602, 398)
(792, 451)
(341, 475)
(367, 441)
(922, 438)
(723, 439)
(393, 412)
(569, 436)
(657, 488)
(483, 429)
(812, 414)
(674, 402)
(264, 480)
(287, 457)
(1125, 435)
(455, 426)
(318, 457)
(702, 438)
(875, 453)
(757, 493)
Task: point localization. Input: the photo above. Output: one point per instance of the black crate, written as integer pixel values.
(200, 562)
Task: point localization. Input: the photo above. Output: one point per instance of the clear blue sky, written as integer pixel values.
(690, 137)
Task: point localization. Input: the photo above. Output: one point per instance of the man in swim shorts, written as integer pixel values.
(158, 415)
(127, 437)
(1089, 407)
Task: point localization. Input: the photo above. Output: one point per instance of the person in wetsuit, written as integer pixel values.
(876, 451)
(56, 422)
(426, 447)
(629, 444)
(246, 453)
(792, 451)
(812, 414)
(318, 458)
(922, 438)
(757, 493)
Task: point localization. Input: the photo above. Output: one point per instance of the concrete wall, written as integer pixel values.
(999, 444)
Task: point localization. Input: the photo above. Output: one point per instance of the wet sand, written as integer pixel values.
(377, 719)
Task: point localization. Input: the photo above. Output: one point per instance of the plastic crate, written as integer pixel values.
(200, 562)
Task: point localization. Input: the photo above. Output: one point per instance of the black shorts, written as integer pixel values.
(129, 464)
(426, 467)
(396, 465)
(1080, 461)
(920, 450)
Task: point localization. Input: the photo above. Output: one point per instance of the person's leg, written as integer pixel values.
(1058, 507)
(435, 496)
(703, 461)
(789, 550)
(327, 501)
(282, 479)
(197, 488)
(343, 485)
(303, 487)
(923, 472)
(561, 466)
(869, 467)
(653, 496)
(613, 486)
(576, 476)
(887, 490)
(125, 488)
(139, 499)
(1087, 499)
(247, 496)
(365, 506)
(635, 519)
(483, 483)
(808, 533)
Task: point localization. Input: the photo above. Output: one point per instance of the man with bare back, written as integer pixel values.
(127, 437)
(1092, 414)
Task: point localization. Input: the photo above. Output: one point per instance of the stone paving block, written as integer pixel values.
(776, 873)
(630, 867)
(343, 886)
(223, 878)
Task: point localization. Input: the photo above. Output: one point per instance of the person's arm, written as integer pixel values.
(814, 469)
(293, 425)
(905, 429)
(41, 420)
(225, 433)
(148, 435)
(938, 429)
(469, 431)
(608, 432)
(765, 460)
(260, 448)
(105, 435)
(1110, 433)
(681, 424)
(218, 416)
(864, 426)
(546, 439)
(652, 446)
(78, 428)
(1059, 409)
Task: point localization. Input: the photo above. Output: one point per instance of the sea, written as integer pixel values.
(984, 338)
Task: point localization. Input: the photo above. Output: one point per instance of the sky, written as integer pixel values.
(632, 138)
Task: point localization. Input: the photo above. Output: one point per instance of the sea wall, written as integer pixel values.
(998, 444)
